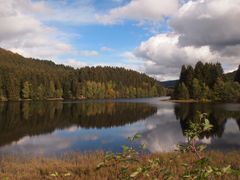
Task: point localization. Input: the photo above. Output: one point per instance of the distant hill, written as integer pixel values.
(28, 78)
(169, 84)
(231, 75)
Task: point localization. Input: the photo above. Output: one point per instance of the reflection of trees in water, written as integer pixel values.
(217, 116)
(33, 118)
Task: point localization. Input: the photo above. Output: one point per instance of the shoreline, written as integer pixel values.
(187, 101)
(73, 99)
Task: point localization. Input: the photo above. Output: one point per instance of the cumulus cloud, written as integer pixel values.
(74, 63)
(74, 12)
(211, 23)
(163, 56)
(104, 48)
(129, 56)
(25, 34)
(89, 53)
(140, 10)
(205, 30)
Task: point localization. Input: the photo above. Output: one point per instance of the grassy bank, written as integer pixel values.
(83, 166)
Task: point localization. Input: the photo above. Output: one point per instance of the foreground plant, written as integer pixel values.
(200, 168)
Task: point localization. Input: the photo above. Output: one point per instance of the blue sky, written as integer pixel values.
(151, 36)
(103, 44)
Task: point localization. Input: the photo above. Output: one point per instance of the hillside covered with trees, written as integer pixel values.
(207, 82)
(27, 78)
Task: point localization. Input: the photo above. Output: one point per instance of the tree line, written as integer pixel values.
(207, 82)
(27, 78)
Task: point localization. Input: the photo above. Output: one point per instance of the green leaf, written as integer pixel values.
(207, 125)
(227, 169)
(134, 174)
(100, 165)
(55, 174)
(137, 136)
(201, 147)
(125, 148)
(67, 174)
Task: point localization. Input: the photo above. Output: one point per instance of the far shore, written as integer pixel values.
(48, 99)
(186, 101)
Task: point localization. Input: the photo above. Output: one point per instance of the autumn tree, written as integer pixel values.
(26, 90)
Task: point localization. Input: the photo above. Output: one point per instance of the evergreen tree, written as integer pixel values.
(12, 85)
(183, 74)
(186, 76)
(207, 81)
(196, 89)
(237, 76)
(218, 90)
(79, 91)
(205, 92)
(1, 91)
(48, 80)
(189, 77)
(67, 93)
(199, 71)
(51, 91)
(181, 92)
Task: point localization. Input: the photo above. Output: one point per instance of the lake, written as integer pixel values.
(52, 127)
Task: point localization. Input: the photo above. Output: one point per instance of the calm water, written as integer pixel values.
(57, 127)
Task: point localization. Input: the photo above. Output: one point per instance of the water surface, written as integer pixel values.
(53, 127)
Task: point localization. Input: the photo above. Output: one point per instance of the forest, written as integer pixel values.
(207, 82)
(33, 79)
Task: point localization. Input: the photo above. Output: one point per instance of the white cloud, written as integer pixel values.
(74, 63)
(204, 30)
(80, 63)
(75, 12)
(25, 34)
(130, 56)
(140, 10)
(104, 48)
(208, 22)
(89, 53)
(164, 58)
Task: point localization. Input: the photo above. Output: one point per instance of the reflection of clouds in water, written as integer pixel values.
(132, 129)
(37, 145)
(160, 132)
(150, 123)
(206, 140)
(72, 129)
(231, 126)
(45, 144)
(230, 138)
(163, 138)
(164, 111)
(163, 132)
